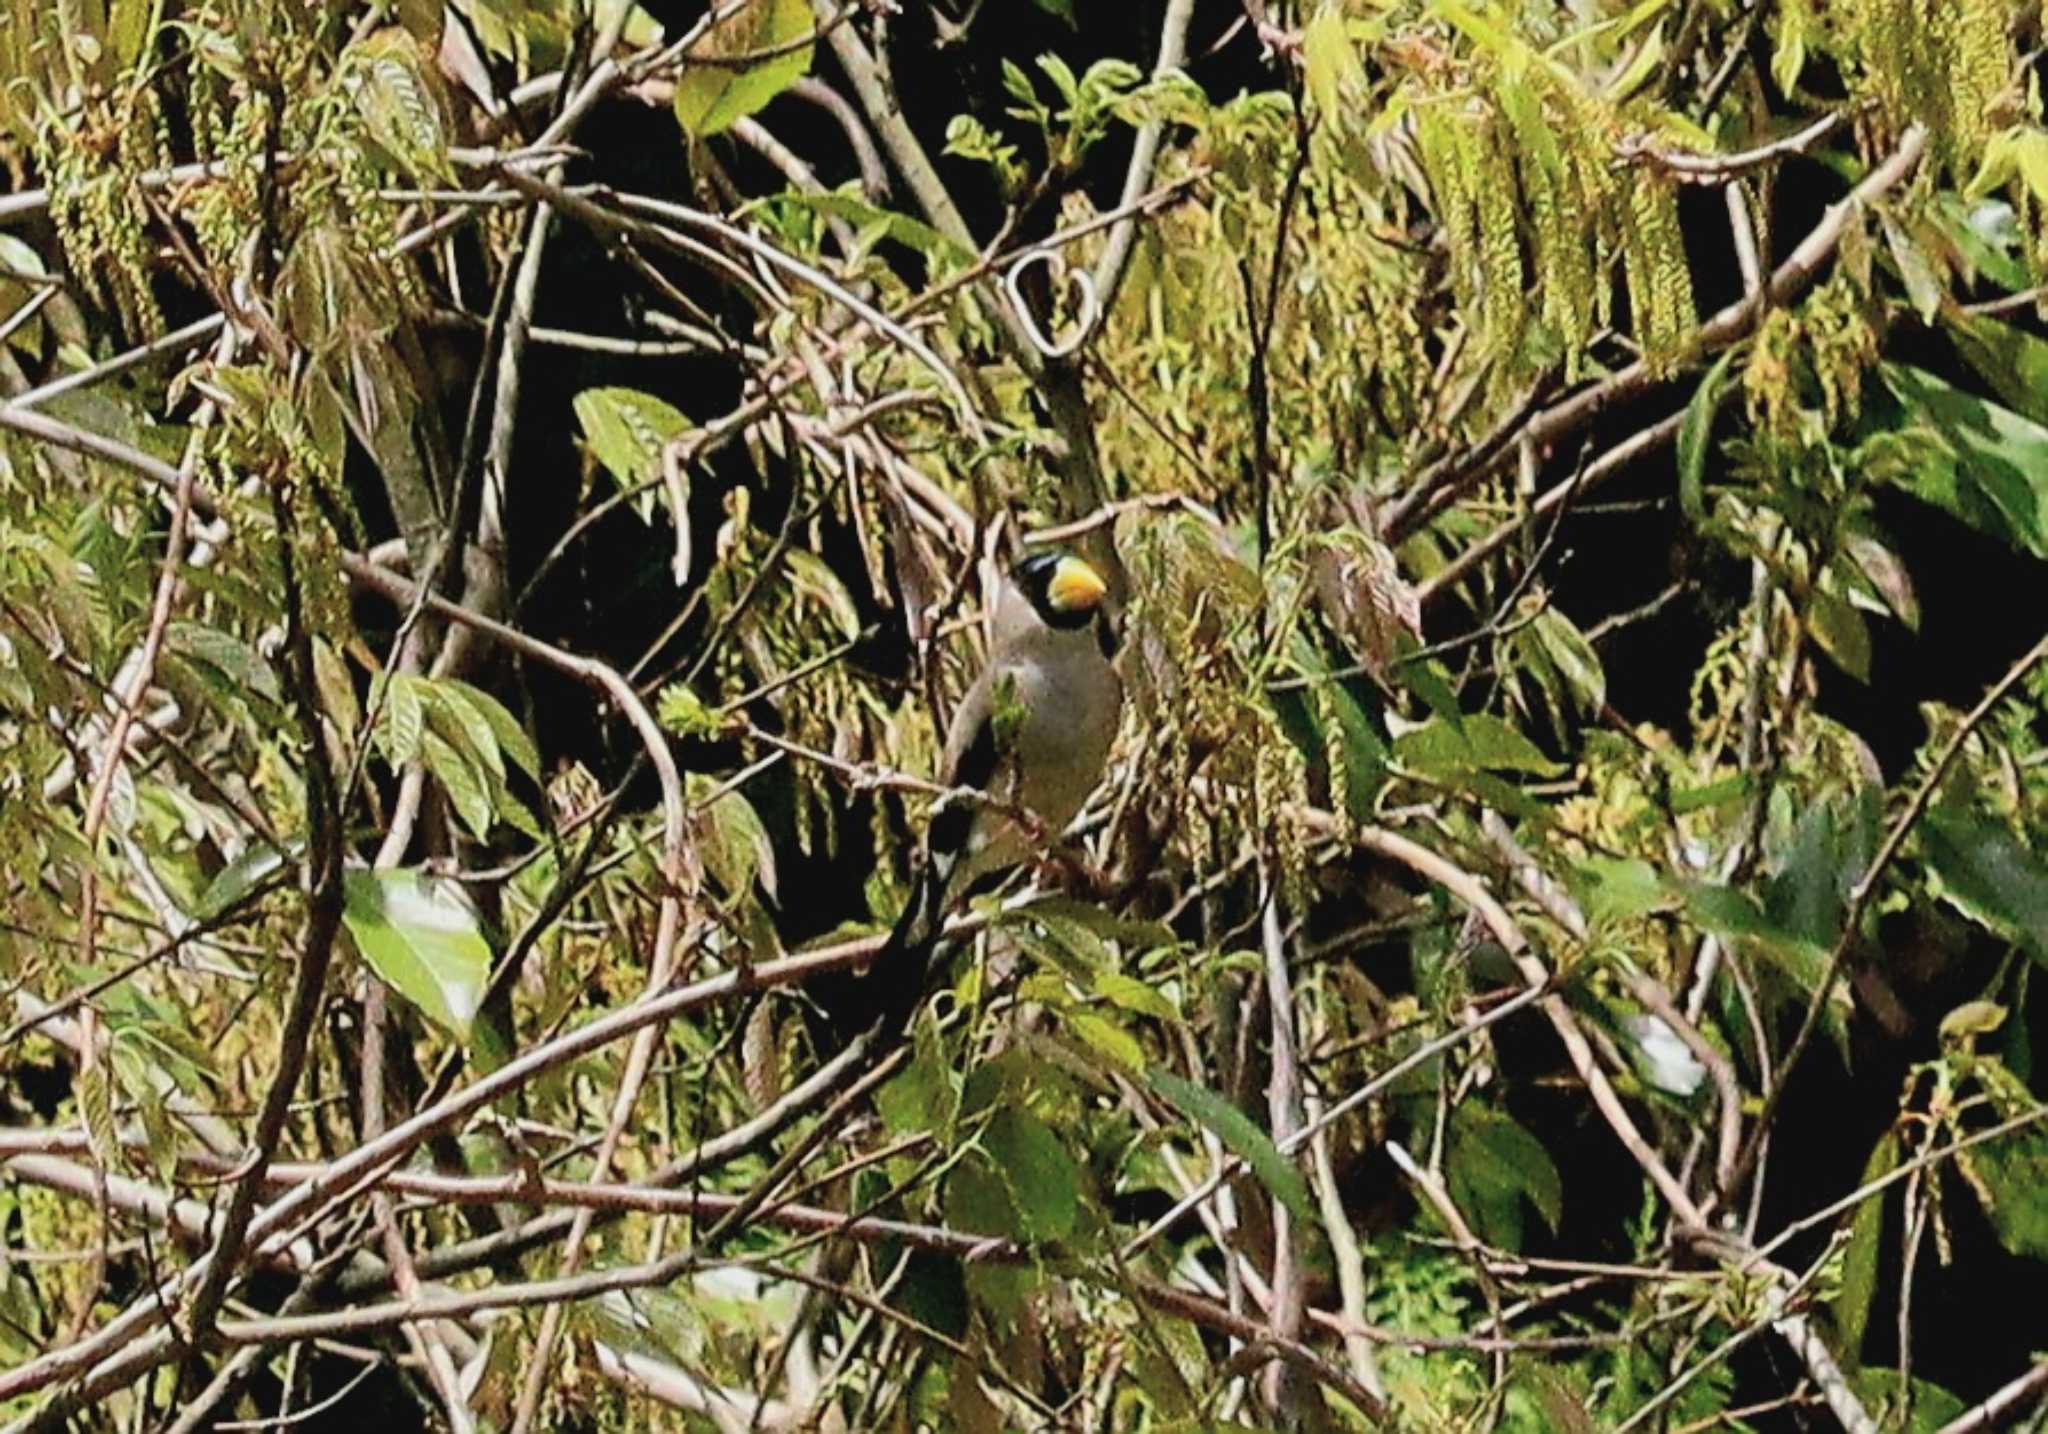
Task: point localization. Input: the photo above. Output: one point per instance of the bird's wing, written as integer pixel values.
(970, 761)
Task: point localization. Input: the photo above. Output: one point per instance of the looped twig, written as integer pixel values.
(1079, 279)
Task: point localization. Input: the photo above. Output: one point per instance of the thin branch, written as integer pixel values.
(1866, 887)
(1116, 253)
(2009, 1399)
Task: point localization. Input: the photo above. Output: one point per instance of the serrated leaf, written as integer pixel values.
(1482, 742)
(1493, 1165)
(1985, 870)
(1713, 794)
(421, 935)
(1426, 679)
(233, 882)
(511, 737)
(459, 723)
(1992, 468)
(2013, 1173)
(911, 233)
(1576, 661)
(1615, 887)
(234, 659)
(919, 1098)
(978, 1201)
(1242, 1138)
(1840, 632)
(1860, 1261)
(712, 96)
(1808, 893)
(1107, 1039)
(2007, 357)
(1881, 1394)
(467, 790)
(1133, 995)
(1987, 235)
(1730, 913)
(627, 430)
(1693, 436)
(402, 721)
(1043, 1180)
(396, 94)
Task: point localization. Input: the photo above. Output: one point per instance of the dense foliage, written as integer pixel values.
(499, 497)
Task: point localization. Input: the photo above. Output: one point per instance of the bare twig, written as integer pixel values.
(1866, 887)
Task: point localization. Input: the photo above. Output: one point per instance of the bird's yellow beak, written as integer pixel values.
(1075, 586)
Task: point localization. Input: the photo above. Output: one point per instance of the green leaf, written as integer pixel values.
(511, 737)
(978, 1201)
(1988, 873)
(1880, 1393)
(918, 1099)
(1482, 742)
(1428, 680)
(1329, 62)
(233, 882)
(1043, 1180)
(711, 96)
(460, 724)
(400, 105)
(2014, 1173)
(1693, 437)
(1107, 1039)
(1492, 1164)
(1860, 1261)
(627, 430)
(1613, 887)
(1986, 234)
(468, 791)
(1841, 633)
(1235, 1129)
(1713, 794)
(1992, 467)
(404, 718)
(1576, 661)
(1133, 995)
(241, 665)
(1731, 914)
(1808, 894)
(421, 935)
(911, 233)
(2011, 360)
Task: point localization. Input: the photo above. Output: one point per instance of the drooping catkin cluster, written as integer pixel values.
(1948, 66)
(1522, 167)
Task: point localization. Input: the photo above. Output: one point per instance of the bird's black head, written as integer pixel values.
(1063, 590)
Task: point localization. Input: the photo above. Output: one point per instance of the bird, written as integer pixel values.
(1033, 733)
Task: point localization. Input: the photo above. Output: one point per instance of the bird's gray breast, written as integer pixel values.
(1071, 700)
